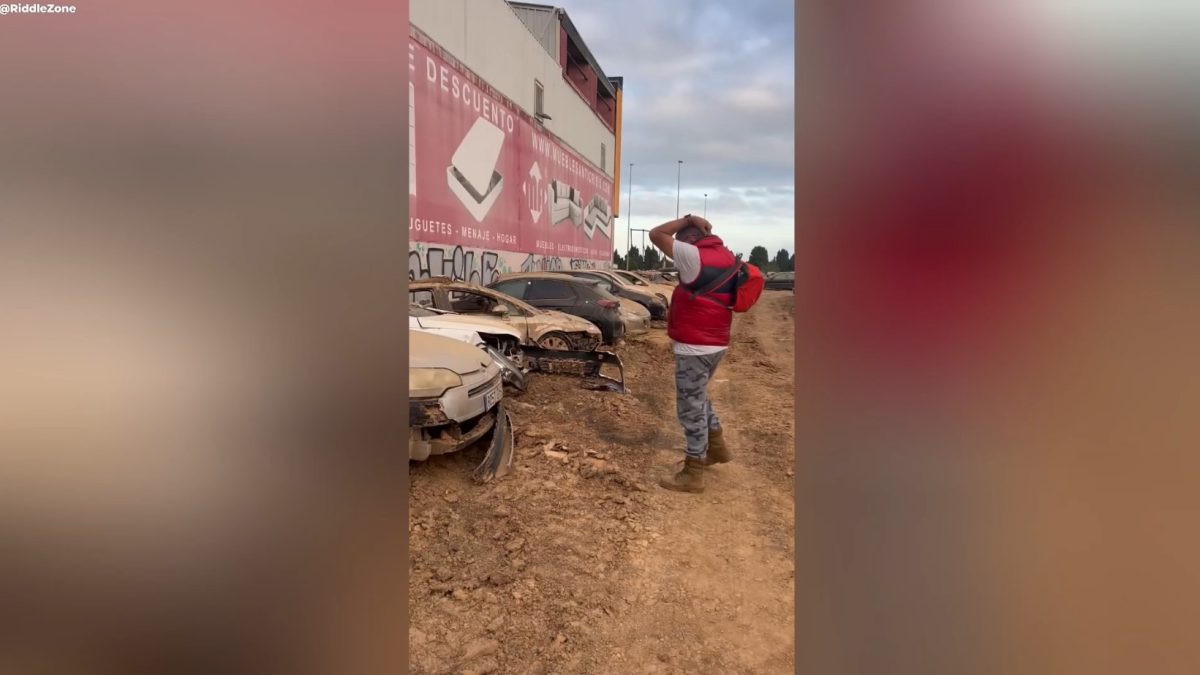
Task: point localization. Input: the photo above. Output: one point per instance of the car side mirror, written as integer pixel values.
(500, 311)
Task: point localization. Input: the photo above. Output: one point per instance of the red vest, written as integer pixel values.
(699, 320)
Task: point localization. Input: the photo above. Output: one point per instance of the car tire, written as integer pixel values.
(555, 340)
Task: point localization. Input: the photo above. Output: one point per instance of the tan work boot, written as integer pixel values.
(689, 479)
(718, 452)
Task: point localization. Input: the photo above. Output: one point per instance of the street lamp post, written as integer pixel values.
(678, 182)
(629, 216)
(643, 239)
(706, 205)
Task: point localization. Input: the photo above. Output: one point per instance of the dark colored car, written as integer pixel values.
(781, 281)
(564, 293)
(652, 303)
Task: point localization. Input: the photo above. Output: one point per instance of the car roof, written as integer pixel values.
(449, 284)
(542, 275)
(603, 273)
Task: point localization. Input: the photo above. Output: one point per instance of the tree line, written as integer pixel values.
(649, 258)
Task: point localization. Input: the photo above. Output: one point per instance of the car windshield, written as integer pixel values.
(602, 290)
(604, 283)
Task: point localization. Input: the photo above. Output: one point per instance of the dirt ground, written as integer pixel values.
(577, 562)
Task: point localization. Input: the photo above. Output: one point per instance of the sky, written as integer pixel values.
(709, 82)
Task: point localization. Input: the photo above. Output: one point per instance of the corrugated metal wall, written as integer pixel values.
(543, 23)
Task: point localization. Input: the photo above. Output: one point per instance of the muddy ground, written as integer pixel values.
(577, 562)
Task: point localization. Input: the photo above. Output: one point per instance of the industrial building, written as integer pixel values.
(515, 142)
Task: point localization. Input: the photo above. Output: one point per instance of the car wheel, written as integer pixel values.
(556, 341)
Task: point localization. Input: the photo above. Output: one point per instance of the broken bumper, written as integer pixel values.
(498, 459)
(510, 372)
(636, 325)
(445, 436)
(432, 433)
(588, 365)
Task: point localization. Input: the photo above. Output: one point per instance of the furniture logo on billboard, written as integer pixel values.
(471, 140)
(532, 189)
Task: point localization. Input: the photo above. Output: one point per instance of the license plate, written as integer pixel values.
(492, 397)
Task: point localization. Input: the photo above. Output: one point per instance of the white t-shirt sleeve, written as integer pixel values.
(687, 261)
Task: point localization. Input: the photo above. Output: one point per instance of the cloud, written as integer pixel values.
(756, 99)
(712, 83)
(755, 44)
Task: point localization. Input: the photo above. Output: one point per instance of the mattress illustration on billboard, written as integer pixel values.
(565, 204)
(598, 217)
(472, 174)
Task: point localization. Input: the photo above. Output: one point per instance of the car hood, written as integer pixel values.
(632, 307)
(478, 324)
(639, 293)
(426, 350)
(461, 334)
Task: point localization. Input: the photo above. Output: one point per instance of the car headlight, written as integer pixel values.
(431, 382)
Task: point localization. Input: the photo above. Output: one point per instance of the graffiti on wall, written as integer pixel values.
(550, 263)
(459, 264)
(482, 266)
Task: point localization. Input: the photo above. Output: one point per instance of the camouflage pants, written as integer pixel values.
(695, 411)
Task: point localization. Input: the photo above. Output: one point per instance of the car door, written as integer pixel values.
(552, 294)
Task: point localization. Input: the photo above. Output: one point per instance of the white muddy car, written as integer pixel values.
(455, 400)
(471, 329)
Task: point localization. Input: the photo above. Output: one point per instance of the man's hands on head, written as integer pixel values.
(702, 223)
(663, 236)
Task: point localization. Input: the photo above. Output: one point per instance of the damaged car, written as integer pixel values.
(550, 342)
(650, 282)
(471, 331)
(536, 326)
(456, 400)
(587, 298)
(780, 281)
(618, 286)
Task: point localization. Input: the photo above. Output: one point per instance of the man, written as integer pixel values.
(698, 324)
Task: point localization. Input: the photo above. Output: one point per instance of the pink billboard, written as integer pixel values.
(484, 177)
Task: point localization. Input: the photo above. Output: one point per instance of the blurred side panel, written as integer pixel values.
(1000, 312)
(202, 355)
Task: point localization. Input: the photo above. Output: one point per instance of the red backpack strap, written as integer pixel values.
(706, 292)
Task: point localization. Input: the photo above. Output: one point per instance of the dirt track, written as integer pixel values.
(577, 562)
